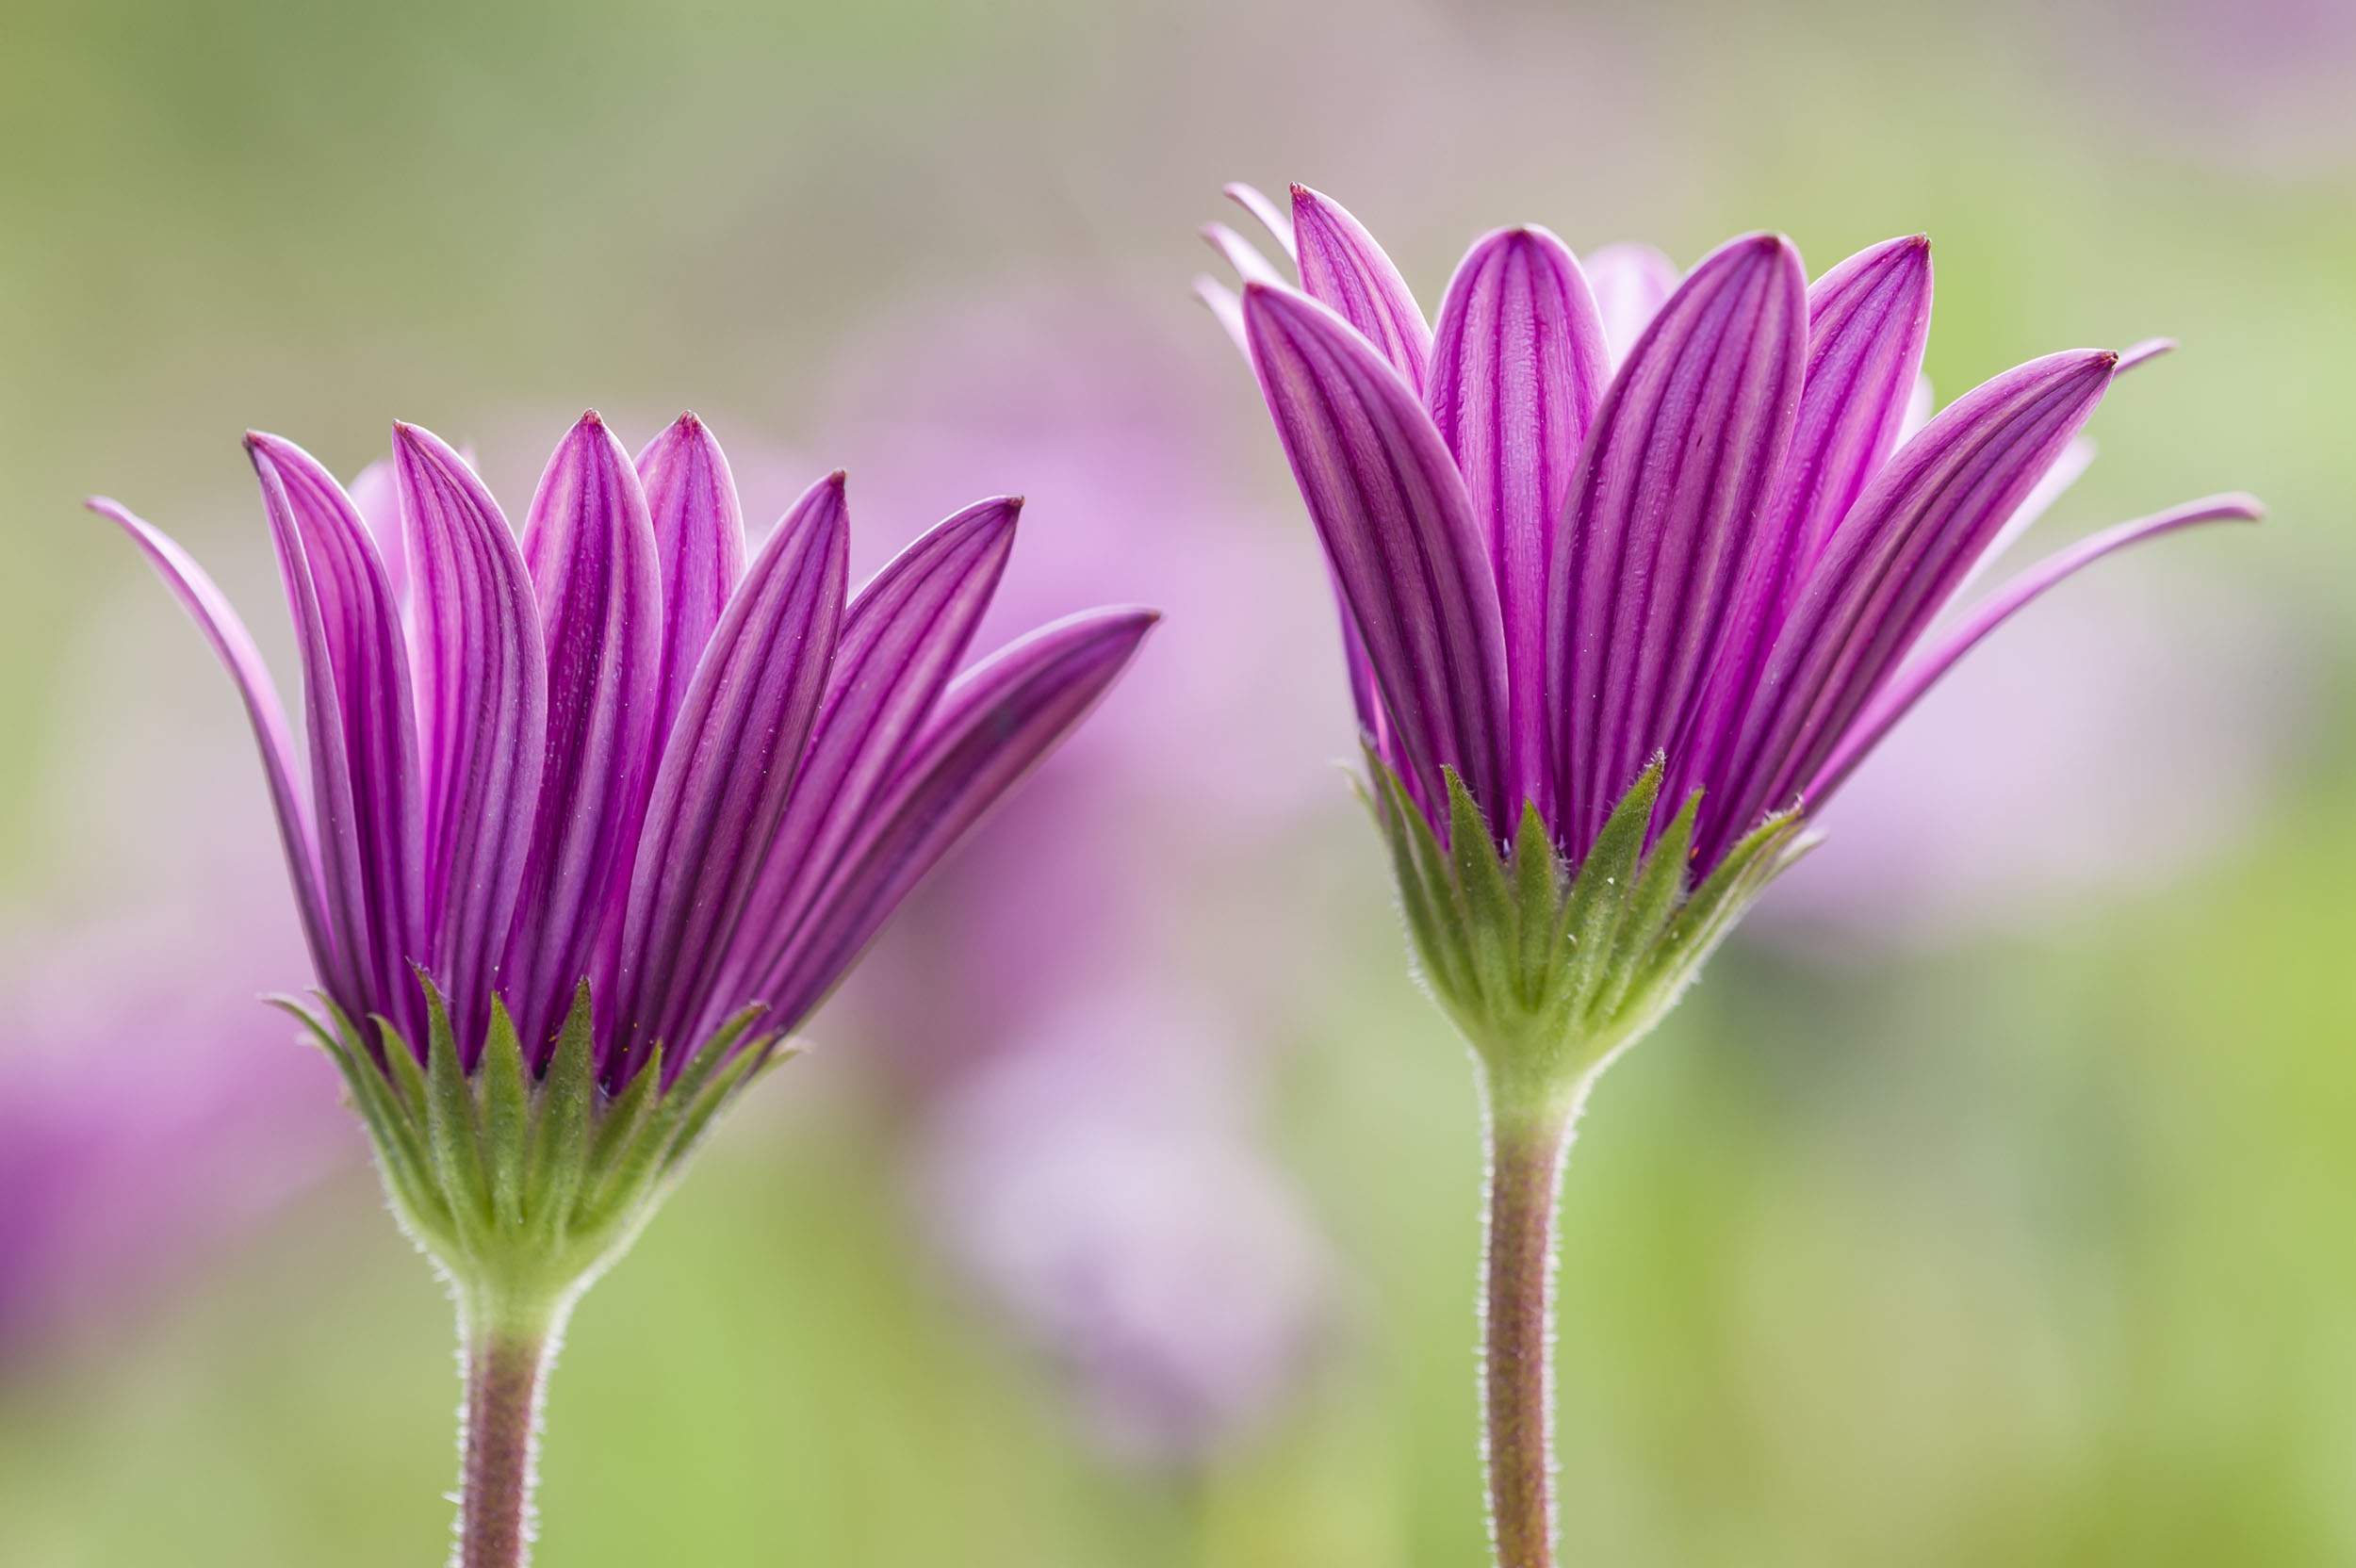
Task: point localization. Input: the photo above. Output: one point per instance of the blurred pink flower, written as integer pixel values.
(135, 1043)
(1090, 1163)
(2097, 752)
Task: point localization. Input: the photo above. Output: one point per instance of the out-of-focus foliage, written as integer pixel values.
(2025, 1247)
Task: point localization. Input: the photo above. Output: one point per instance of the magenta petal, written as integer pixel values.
(481, 692)
(727, 772)
(363, 736)
(591, 551)
(1342, 266)
(1919, 675)
(997, 722)
(1867, 320)
(218, 621)
(700, 543)
(1663, 517)
(1908, 543)
(901, 642)
(1630, 284)
(1398, 531)
(1517, 369)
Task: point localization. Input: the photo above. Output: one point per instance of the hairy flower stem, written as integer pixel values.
(507, 1355)
(1526, 1145)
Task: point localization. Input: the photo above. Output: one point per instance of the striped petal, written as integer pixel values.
(363, 736)
(1630, 284)
(482, 692)
(1517, 368)
(900, 643)
(1343, 268)
(1909, 540)
(698, 544)
(727, 773)
(997, 722)
(1664, 515)
(210, 609)
(1399, 534)
(1867, 320)
(1893, 702)
(589, 549)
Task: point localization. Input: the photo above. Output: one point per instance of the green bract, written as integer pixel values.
(523, 1190)
(1550, 969)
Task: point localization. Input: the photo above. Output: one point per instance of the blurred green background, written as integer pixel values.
(2032, 1246)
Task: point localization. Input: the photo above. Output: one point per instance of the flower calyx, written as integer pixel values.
(525, 1187)
(1549, 969)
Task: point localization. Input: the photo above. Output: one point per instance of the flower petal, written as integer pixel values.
(728, 774)
(1893, 701)
(364, 746)
(1398, 531)
(1241, 254)
(900, 643)
(1663, 517)
(1630, 284)
(1517, 368)
(591, 551)
(698, 543)
(1272, 218)
(997, 722)
(376, 498)
(1909, 540)
(1342, 266)
(1867, 320)
(482, 692)
(214, 616)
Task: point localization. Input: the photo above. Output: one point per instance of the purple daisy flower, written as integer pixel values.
(1616, 630)
(595, 819)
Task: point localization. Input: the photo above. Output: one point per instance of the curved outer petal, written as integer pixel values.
(726, 774)
(590, 552)
(997, 722)
(1517, 369)
(1867, 320)
(364, 748)
(210, 609)
(1893, 702)
(1630, 284)
(1398, 530)
(1663, 514)
(1343, 268)
(482, 718)
(698, 544)
(900, 643)
(1909, 541)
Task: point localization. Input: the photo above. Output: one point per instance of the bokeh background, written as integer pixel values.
(1993, 1200)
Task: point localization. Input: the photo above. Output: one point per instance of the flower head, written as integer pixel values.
(596, 818)
(1639, 619)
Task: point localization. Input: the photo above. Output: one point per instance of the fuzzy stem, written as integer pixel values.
(1526, 1145)
(505, 1358)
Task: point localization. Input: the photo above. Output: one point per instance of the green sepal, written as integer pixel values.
(523, 1185)
(1550, 969)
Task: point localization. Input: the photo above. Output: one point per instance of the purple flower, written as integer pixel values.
(582, 810)
(1620, 617)
(1719, 554)
(617, 753)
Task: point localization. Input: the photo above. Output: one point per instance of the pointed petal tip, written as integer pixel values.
(2150, 349)
(589, 420)
(687, 424)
